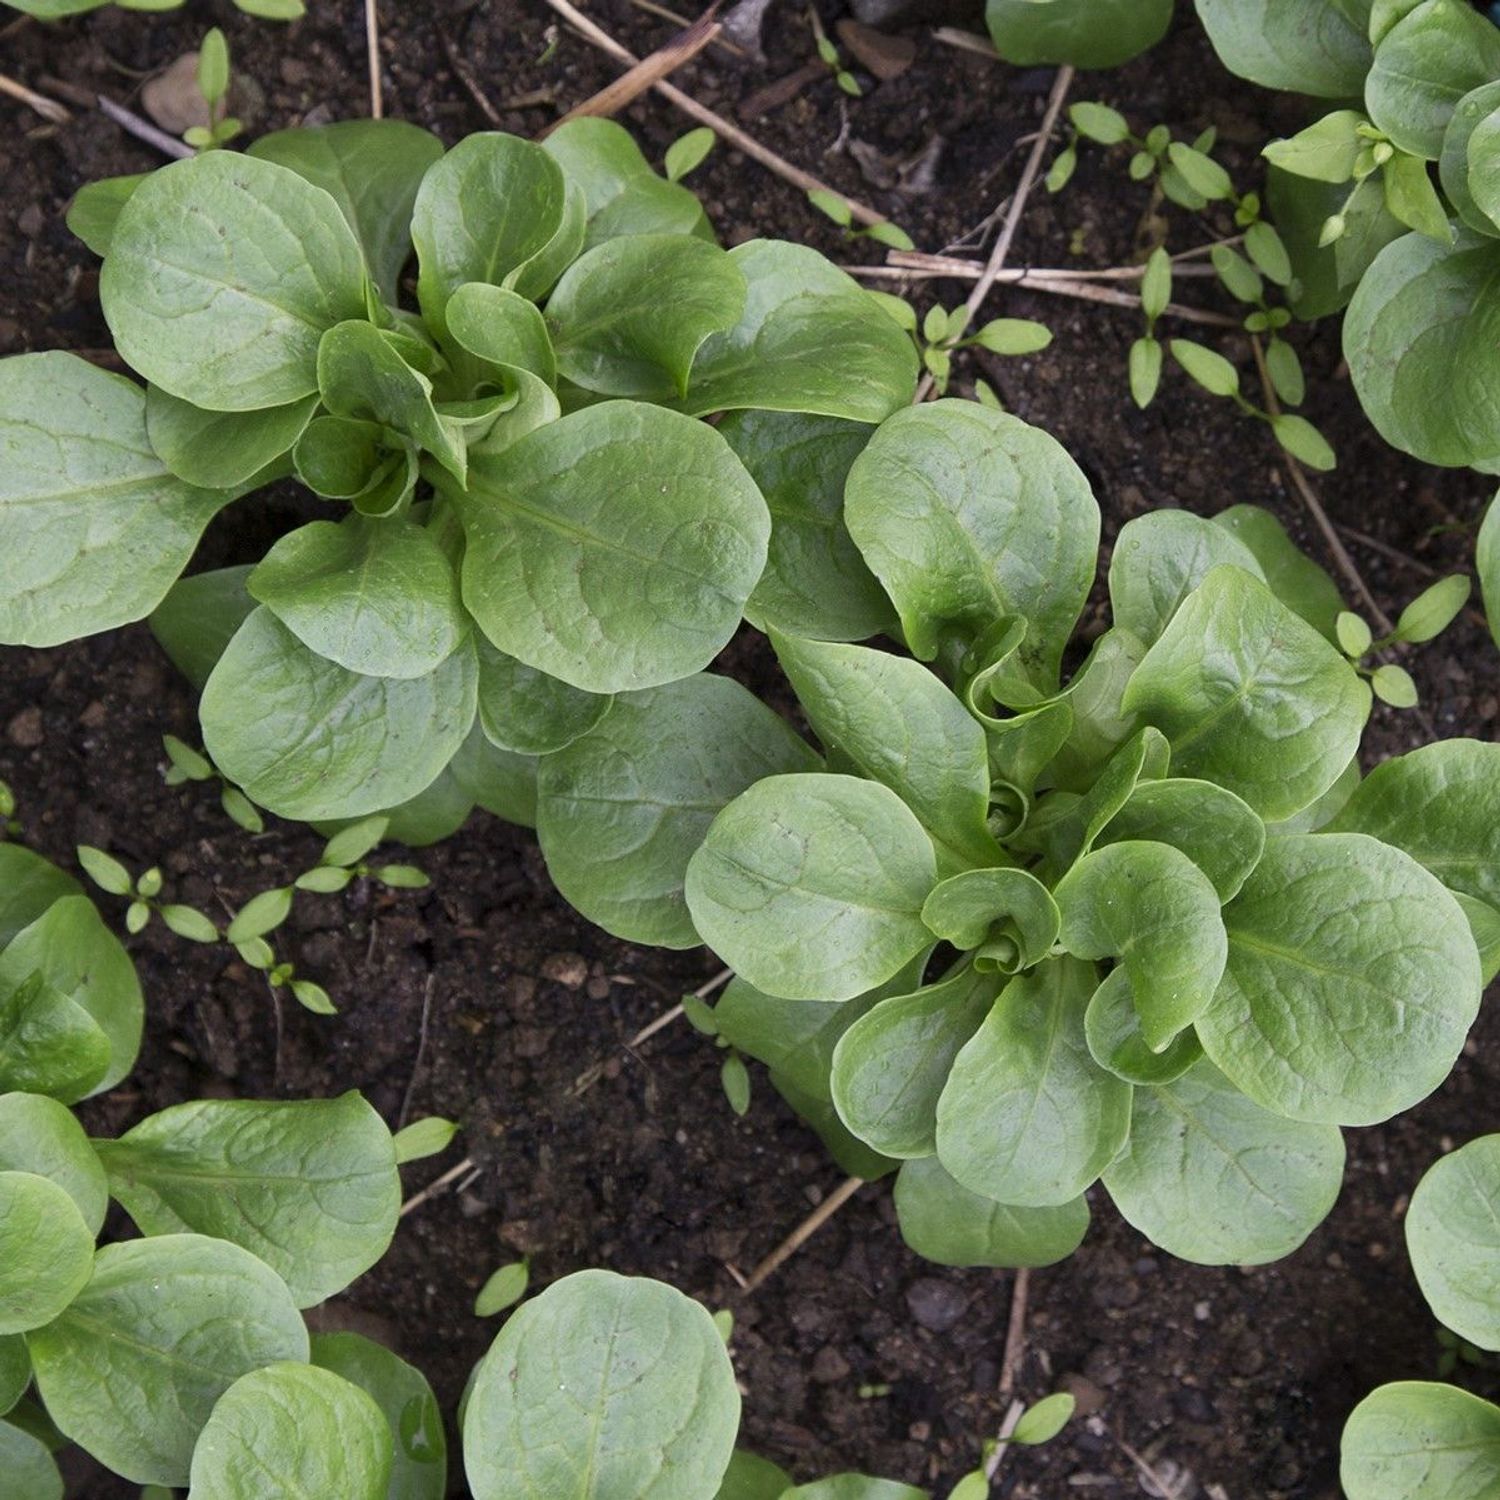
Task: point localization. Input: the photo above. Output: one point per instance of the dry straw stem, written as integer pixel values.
(372, 53)
(48, 109)
(726, 129)
(803, 1233)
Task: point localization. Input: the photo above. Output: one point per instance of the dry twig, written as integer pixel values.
(372, 53)
(803, 1233)
(48, 109)
(440, 1185)
(144, 130)
(727, 129)
(1010, 1368)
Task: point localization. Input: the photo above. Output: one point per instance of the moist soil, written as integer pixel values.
(484, 997)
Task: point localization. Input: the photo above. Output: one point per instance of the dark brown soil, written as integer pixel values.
(857, 1355)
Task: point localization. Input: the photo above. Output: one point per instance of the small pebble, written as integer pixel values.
(569, 969)
(25, 729)
(936, 1305)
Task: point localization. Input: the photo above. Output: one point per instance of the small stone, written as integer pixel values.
(568, 969)
(829, 1366)
(31, 220)
(936, 1305)
(25, 729)
(94, 715)
(1087, 1397)
(597, 987)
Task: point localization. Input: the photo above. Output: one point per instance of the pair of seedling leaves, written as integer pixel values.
(923, 919)
(1422, 1440)
(586, 535)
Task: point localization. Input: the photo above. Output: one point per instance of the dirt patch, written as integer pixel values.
(857, 1355)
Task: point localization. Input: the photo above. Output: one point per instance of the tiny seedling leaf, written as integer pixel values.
(423, 1138)
(504, 1289)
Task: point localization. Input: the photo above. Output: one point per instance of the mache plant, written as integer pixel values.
(57, 10)
(1085, 33)
(1148, 927)
(524, 514)
(1428, 1440)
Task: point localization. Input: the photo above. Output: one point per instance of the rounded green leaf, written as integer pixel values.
(419, 1470)
(223, 273)
(41, 1136)
(614, 548)
(30, 1471)
(15, 1370)
(46, 1251)
(219, 449)
(810, 340)
(310, 1186)
(491, 210)
(979, 906)
(1250, 696)
(1295, 579)
(969, 517)
(628, 316)
(77, 956)
(944, 1222)
(29, 884)
(289, 1431)
(602, 1386)
(94, 527)
(372, 170)
(749, 1477)
(1086, 33)
(326, 742)
(379, 597)
(1441, 804)
(1417, 1440)
(1421, 321)
(1028, 1117)
(1159, 559)
(896, 722)
(1453, 1238)
(811, 886)
(49, 1044)
(529, 712)
(855, 1487)
(890, 1067)
(198, 619)
(621, 810)
(502, 329)
(1351, 984)
(1468, 167)
(1112, 1029)
(1303, 46)
(1487, 562)
(1212, 1177)
(131, 1375)
(1424, 64)
(816, 584)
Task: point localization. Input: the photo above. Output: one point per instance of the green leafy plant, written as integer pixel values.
(1019, 935)
(57, 10)
(213, 84)
(1085, 33)
(828, 55)
(1423, 1440)
(533, 517)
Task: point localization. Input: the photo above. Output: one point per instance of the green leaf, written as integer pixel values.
(28, 1466)
(310, 1187)
(93, 539)
(372, 170)
(1151, 907)
(504, 1289)
(419, 1469)
(1394, 685)
(1216, 1179)
(1211, 370)
(261, 914)
(621, 194)
(890, 1066)
(1325, 151)
(1354, 635)
(494, 209)
(734, 1078)
(812, 886)
(1266, 249)
(560, 1411)
(815, 583)
(1423, 66)
(327, 742)
(752, 1478)
(1145, 371)
(49, 1044)
(15, 1374)
(378, 597)
(1351, 983)
(529, 712)
(105, 871)
(1086, 33)
(629, 316)
(323, 880)
(688, 152)
(41, 1136)
(423, 1138)
(1250, 696)
(1469, 168)
(189, 923)
(1012, 336)
(402, 878)
(1295, 579)
(198, 618)
(1099, 123)
(1112, 1030)
(313, 997)
(978, 907)
(213, 66)
(1302, 46)
(225, 450)
(1454, 1243)
(621, 810)
(565, 524)
(96, 206)
(1201, 172)
(1285, 370)
(1417, 324)
(46, 1251)
(502, 329)
(855, 1487)
(1412, 198)
(77, 956)
(350, 845)
(969, 517)
(499, 781)
(1042, 1422)
(810, 340)
(292, 1430)
(222, 274)
(897, 723)
(1416, 1440)
(1303, 441)
(1159, 559)
(1028, 1118)
(1433, 610)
